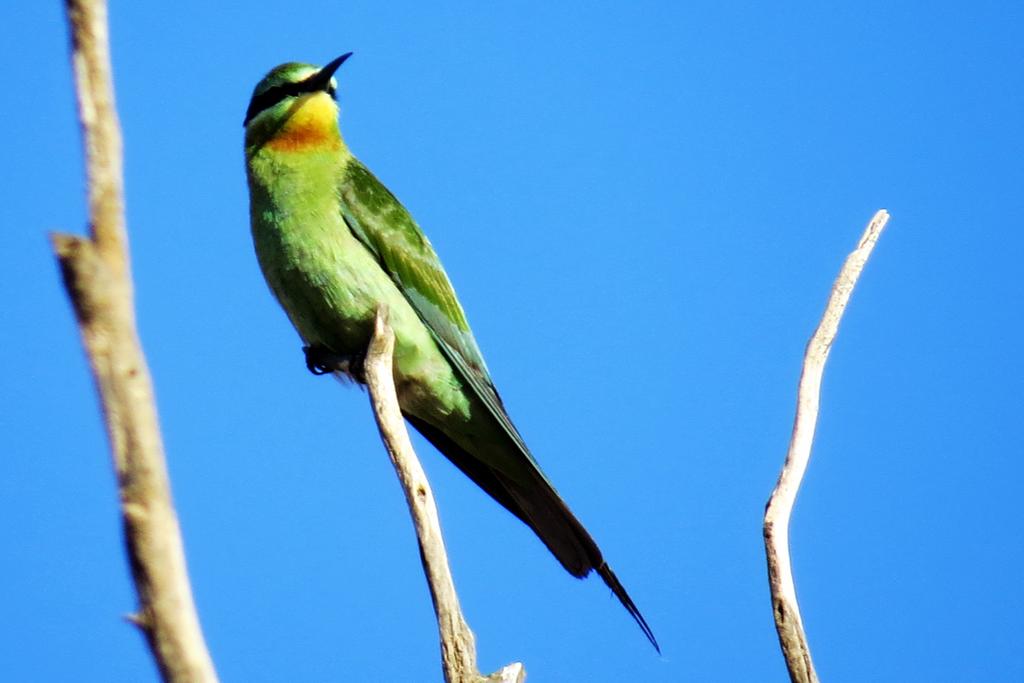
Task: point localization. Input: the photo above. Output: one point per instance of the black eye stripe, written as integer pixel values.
(271, 96)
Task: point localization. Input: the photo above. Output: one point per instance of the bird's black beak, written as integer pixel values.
(321, 80)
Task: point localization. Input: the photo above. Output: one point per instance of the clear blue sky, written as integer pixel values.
(642, 207)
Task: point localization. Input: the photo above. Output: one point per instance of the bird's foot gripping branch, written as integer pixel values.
(322, 361)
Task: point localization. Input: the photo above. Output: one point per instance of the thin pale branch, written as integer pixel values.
(458, 649)
(513, 673)
(788, 623)
(97, 278)
(101, 131)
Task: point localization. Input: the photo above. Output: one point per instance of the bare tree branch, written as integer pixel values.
(513, 673)
(788, 623)
(458, 649)
(97, 277)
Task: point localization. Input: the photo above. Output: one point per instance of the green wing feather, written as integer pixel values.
(387, 230)
(404, 252)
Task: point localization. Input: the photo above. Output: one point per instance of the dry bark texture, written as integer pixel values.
(788, 623)
(97, 276)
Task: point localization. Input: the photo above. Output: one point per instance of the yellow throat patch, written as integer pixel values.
(312, 125)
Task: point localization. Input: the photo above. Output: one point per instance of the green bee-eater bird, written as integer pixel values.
(334, 244)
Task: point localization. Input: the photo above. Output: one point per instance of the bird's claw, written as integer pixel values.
(314, 360)
(321, 361)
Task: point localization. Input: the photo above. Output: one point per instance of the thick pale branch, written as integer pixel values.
(788, 623)
(458, 650)
(96, 276)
